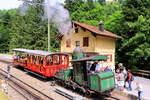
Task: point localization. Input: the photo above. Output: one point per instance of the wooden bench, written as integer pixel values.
(143, 73)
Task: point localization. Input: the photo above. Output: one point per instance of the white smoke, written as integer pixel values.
(58, 15)
(53, 10)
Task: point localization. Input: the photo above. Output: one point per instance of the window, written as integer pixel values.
(85, 41)
(76, 30)
(68, 43)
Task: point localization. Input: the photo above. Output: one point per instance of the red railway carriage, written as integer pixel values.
(42, 62)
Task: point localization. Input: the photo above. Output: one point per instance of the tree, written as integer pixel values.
(91, 4)
(72, 5)
(102, 2)
(90, 16)
(135, 49)
(6, 18)
(30, 30)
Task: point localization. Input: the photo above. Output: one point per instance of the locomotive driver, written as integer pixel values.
(98, 68)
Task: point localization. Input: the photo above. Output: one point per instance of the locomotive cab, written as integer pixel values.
(99, 82)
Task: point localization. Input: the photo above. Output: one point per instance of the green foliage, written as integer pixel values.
(134, 8)
(136, 43)
(30, 31)
(6, 21)
(72, 5)
(90, 16)
(91, 4)
(102, 2)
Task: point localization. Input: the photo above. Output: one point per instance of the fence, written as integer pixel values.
(142, 73)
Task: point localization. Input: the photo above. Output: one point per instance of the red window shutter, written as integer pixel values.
(68, 43)
(85, 41)
(111, 58)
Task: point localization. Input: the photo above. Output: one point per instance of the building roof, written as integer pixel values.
(92, 29)
(37, 52)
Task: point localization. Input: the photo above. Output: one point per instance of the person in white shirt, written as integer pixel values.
(98, 68)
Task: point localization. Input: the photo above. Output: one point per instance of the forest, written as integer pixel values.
(129, 19)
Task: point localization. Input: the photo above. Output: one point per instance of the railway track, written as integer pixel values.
(24, 89)
(45, 96)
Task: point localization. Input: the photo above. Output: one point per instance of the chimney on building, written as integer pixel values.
(101, 26)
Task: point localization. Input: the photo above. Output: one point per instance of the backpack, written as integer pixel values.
(132, 78)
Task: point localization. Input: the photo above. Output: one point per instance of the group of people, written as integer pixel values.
(96, 68)
(122, 76)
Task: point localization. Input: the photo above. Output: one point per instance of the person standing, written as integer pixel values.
(125, 76)
(129, 79)
(121, 80)
(8, 70)
(139, 89)
(120, 66)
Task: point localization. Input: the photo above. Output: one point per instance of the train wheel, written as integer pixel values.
(53, 83)
(88, 93)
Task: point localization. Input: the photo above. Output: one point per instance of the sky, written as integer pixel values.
(9, 4)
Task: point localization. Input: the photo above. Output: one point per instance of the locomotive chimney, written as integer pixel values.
(101, 26)
(77, 52)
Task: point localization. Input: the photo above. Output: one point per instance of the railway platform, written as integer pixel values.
(133, 95)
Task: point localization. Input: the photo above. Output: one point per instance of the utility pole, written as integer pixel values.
(48, 25)
(49, 43)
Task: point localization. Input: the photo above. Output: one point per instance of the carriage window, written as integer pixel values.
(64, 59)
(35, 60)
(41, 60)
(50, 60)
(57, 59)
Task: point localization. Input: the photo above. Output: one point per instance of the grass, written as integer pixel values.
(3, 96)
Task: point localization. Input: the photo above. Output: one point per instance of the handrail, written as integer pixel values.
(141, 73)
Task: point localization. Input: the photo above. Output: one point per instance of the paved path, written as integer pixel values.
(6, 56)
(145, 84)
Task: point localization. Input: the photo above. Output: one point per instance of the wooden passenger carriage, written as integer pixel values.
(42, 62)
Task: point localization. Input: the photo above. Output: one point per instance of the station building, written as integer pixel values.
(93, 40)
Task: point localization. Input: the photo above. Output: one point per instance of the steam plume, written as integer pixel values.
(58, 15)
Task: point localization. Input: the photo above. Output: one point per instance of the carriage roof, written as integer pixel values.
(37, 52)
(93, 58)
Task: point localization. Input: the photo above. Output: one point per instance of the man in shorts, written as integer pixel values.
(121, 80)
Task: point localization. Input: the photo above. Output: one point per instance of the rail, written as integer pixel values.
(142, 73)
(7, 62)
(24, 89)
